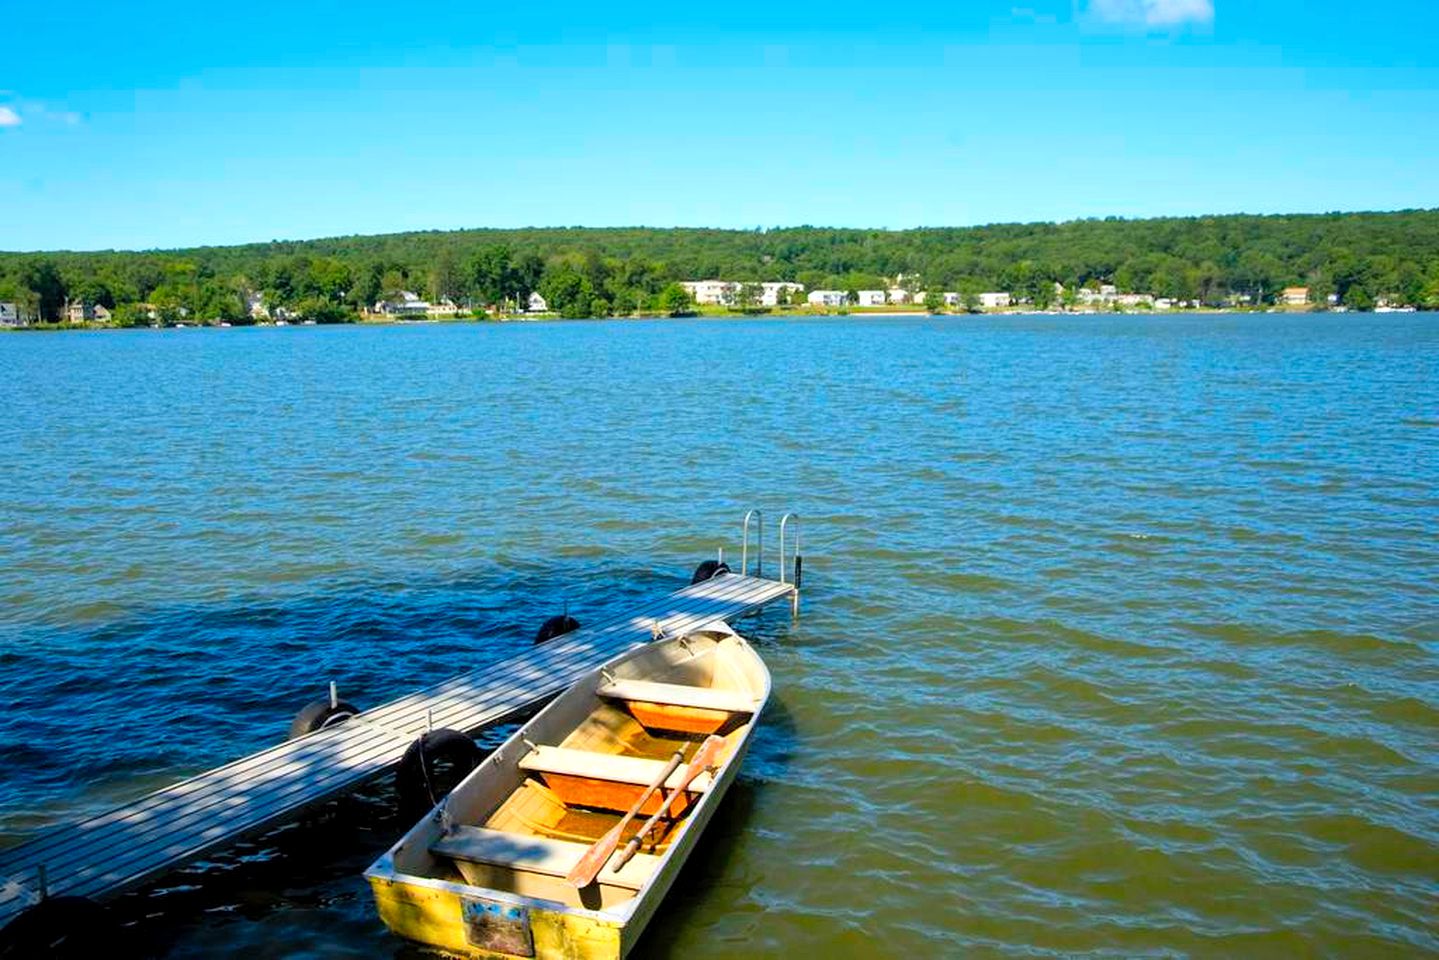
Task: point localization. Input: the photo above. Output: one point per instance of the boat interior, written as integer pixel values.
(522, 820)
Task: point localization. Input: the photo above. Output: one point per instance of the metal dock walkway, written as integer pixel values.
(125, 847)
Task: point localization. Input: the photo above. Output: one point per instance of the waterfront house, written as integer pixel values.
(772, 291)
(405, 304)
(826, 298)
(536, 303)
(871, 298)
(445, 308)
(1294, 296)
(78, 311)
(14, 315)
(720, 292)
(255, 305)
(995, 301)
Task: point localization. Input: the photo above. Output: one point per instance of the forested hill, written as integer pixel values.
(1361, 257)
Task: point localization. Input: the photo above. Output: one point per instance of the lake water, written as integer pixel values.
(1119, 634)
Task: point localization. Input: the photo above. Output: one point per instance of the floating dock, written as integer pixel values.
(130, 845)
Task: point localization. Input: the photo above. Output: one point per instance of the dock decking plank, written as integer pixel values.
(121, 848)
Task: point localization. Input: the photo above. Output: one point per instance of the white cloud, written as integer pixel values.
(9, 118)
(1153, 13)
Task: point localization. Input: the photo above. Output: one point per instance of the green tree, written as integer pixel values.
(220, 302)
(43, 279)
(748, 296)
(322, 310)
(328, 278)
(1358, 297)
(571, 294)
(1429, 295)
(169, 303)
(675, 300)
(445, 280)
(130, 315)
(492, 277)
(526, 274)
(934, 301)
(1041, 294)
(367, 285)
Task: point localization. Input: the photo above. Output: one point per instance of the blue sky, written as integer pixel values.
(168, 124)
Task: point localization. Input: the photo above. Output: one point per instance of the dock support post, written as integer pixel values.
(784, 523)
(798, 573)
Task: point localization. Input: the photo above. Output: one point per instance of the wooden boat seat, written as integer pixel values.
(526, 853)
(678, 695)
(606, 766)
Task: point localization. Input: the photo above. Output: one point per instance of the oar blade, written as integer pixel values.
(593, 861)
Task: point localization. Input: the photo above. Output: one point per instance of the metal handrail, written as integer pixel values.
(757, 515)
(784, 522)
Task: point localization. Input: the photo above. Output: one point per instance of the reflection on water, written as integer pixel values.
(1119, 634)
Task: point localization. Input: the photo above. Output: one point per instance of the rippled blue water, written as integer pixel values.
(1119, 633)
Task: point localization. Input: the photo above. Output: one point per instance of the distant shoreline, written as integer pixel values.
(717, 314)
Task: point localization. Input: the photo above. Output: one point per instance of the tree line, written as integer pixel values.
(1358, 258)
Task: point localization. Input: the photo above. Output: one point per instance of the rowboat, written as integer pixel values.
(534, 853)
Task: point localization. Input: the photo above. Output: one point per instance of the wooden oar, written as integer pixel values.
(705, 758)
(589, 866)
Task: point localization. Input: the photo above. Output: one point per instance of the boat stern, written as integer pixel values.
(444, 915)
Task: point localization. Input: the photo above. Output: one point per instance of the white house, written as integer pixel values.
(445, 308)
(255, 306)
(711, 291)
(536, 303)
(826, 298)
(871, 298)
(407, 304)
(951, 299)
(772, 291)
(995, 301)
(901, 295)
(13, 315)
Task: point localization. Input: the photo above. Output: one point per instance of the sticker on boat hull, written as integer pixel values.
(497, 926)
